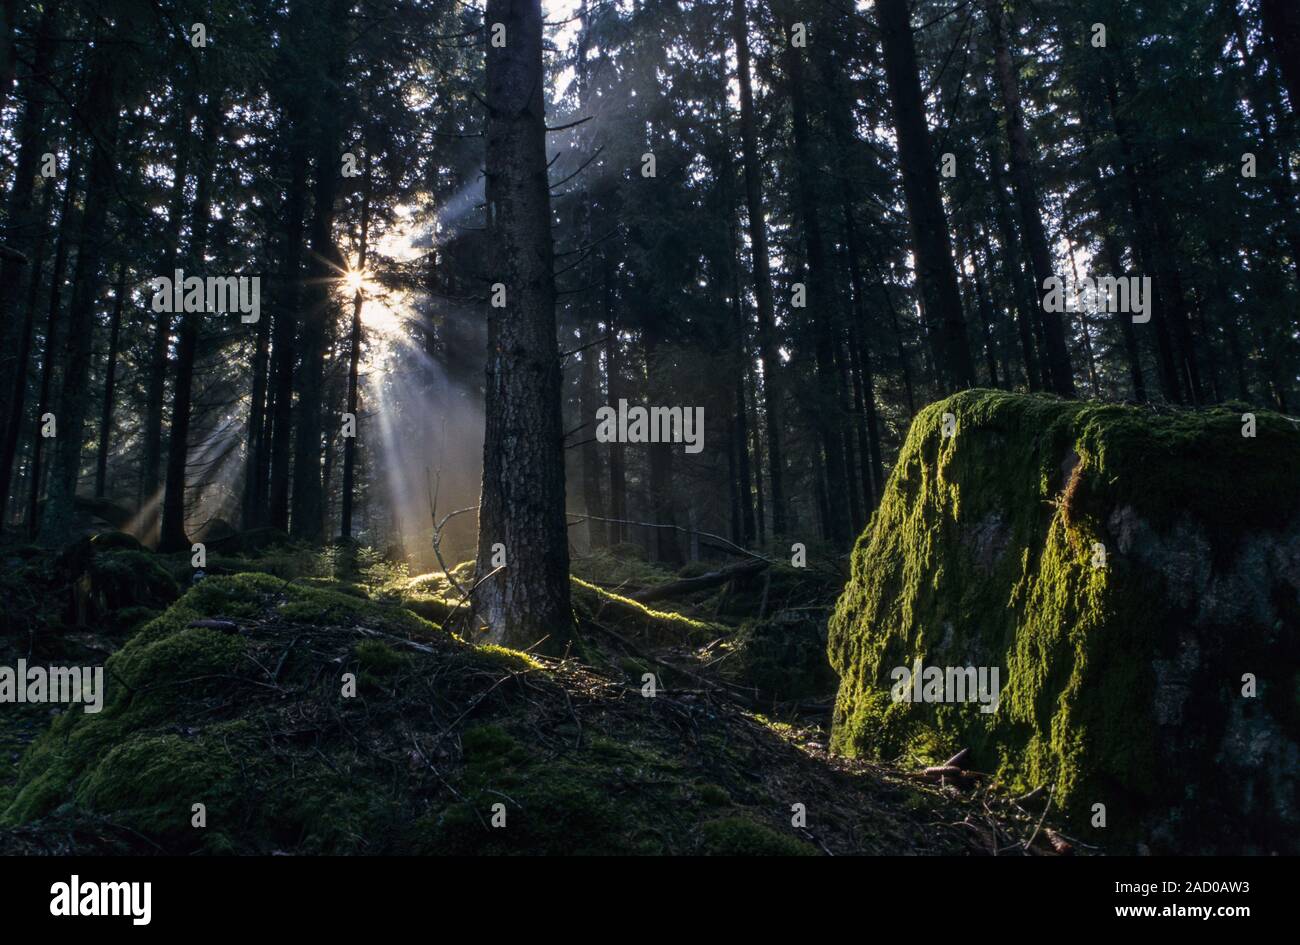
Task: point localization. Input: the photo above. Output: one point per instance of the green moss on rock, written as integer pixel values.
(1121, 683)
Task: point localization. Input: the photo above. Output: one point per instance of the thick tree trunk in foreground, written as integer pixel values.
(521, 510)
(936, 276)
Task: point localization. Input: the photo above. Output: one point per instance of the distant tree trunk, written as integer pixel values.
(663, 508)
(24, 233)
(13, 428)
(1031, 211)
(614, 390)
(740, 415)
(15, 412)
(856, 468)
(1281, 19)
(157, 375)
(762, 270)
(751, 411)
(50, 355)
(987, 315)
(1274, 165)
(825, 320)
(172, 535)
(838, 100)
(59, 522)
(1145, 239)
(1025, 301)
(593, 499)
(936, 275)
(257, 458)
(522, 503)
(1221, 257)
(354, 362)
(1110, 244)
(284, 335)
(22, 229)
(110, 385)
(1085, 330)
(306, 522)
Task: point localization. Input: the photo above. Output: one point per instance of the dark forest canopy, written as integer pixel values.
(807, 219)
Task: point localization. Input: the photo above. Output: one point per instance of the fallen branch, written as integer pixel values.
(685, 531)
(692, 584)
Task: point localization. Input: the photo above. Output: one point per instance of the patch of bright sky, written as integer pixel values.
(562, 27)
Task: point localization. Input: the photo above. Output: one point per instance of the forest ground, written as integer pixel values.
(235, 699)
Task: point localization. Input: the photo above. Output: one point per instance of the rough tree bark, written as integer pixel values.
(522, 503)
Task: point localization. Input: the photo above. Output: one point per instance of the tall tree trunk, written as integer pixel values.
(522, 503)
(22, 229)
(172, 535)
(1144, 240)
(307, 516)
(50, 355)
(740, 359)
(1274, 164)
(257, 458)
(1111, 248)
(1026, 302)
(762, 269)
(936, 275)
(14, 413)
(13, 429)
(156, 385)
(354, 362)
(756, 444)
(820, 295)
(59, 521)
(284, 336)
(1031, 212)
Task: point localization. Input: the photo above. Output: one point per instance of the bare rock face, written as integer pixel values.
(1135, 579)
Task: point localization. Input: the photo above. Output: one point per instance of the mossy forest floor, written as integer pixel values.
(228, 692)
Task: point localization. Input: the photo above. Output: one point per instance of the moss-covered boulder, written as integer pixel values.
(1135, 578)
